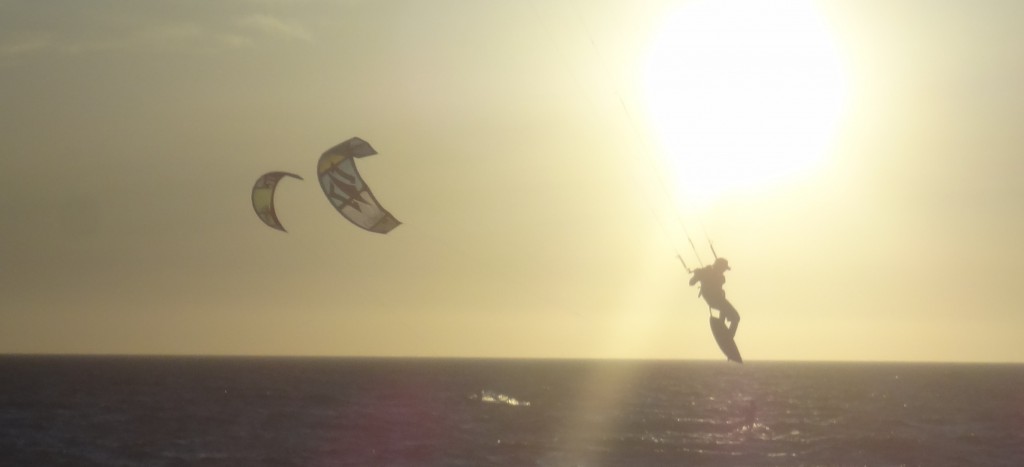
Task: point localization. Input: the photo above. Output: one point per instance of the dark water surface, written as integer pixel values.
(148, 411)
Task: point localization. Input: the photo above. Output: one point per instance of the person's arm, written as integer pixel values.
(696, 277)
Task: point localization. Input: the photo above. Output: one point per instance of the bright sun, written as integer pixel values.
(743, 93)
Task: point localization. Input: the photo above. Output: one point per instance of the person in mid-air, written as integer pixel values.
(711, 279)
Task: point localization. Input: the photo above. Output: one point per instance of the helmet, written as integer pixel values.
(722, 263)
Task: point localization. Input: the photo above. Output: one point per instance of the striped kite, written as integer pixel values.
(263, 197)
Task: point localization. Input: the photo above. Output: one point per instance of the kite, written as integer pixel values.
(263, 197)
(347, 191)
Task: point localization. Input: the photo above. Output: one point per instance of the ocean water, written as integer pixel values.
(121, 411)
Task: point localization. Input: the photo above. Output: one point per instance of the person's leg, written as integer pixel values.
(728, 312)
(716, 303)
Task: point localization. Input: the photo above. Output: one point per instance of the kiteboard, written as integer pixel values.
(724, 340)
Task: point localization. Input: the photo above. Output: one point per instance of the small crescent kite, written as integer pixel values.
(346, 190)
(263, 197)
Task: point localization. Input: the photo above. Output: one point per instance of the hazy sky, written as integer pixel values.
(859, 164)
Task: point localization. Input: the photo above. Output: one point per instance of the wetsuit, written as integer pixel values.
(711, 282)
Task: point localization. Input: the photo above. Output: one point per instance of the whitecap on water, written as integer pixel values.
(492, 397)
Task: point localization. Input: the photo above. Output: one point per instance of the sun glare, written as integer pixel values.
(743, 94)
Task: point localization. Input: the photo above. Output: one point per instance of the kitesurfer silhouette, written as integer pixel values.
(711, 279)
